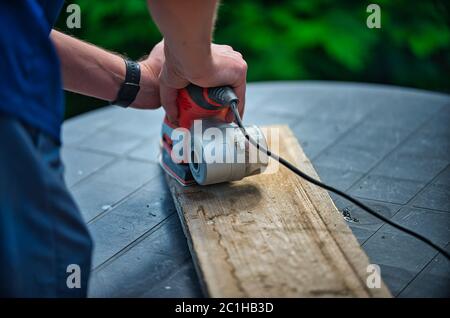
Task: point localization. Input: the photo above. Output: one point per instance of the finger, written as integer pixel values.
(235, 54)
(241, 87)
(224, 47)
(230, 116)
(239, 54)
(240, 92)
(169, 102)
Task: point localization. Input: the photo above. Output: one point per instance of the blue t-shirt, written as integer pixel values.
(30, 79)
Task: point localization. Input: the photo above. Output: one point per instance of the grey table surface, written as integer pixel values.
(388, 146)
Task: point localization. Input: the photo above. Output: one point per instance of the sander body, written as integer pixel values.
(203, 148)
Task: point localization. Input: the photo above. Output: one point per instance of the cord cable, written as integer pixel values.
(327, 187)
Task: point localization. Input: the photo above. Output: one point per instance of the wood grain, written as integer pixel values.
(272, 235)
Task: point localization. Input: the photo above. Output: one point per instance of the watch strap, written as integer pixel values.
(130, 87)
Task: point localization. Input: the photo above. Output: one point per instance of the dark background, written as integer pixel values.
(294, 39)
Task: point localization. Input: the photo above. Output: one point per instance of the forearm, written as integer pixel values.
(87, 69)
(187, 29)
(92, 71)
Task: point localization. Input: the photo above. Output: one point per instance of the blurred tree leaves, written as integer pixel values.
(300, 39)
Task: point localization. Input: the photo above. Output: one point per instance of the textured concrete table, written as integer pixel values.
(388, 146)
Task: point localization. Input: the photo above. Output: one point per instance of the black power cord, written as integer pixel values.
(308, 178)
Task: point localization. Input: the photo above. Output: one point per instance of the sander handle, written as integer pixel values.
(223, 95)
(196, 102)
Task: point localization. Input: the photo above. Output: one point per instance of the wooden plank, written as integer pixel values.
(272, 235)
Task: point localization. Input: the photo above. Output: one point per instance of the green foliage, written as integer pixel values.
(300, 39)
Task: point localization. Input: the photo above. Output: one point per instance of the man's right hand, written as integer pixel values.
(223, 67)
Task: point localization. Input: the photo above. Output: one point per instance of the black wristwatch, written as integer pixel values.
(130, 87)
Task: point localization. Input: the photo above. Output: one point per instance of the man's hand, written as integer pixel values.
(187, 27)
(148, 96)
(224, 67)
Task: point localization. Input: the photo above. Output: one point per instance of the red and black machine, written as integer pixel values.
(186, 152)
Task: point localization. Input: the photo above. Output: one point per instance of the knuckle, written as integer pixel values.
(243, 66)
(238, 53)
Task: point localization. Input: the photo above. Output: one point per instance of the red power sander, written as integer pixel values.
(205, 149)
